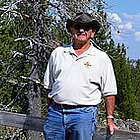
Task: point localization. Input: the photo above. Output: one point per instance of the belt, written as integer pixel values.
(65, 106)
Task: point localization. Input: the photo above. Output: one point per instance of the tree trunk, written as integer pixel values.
(34, 97)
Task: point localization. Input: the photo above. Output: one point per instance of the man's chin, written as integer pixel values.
(82, 38)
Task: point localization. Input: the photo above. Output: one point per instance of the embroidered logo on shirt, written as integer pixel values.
(87, 64)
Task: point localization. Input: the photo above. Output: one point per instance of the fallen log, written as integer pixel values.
(36, 123)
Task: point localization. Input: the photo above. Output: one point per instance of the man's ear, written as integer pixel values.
(93, 32)
(71, 30)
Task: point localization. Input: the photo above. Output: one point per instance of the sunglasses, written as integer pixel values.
(84, 27)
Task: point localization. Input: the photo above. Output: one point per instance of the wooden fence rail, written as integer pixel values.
(36, 123)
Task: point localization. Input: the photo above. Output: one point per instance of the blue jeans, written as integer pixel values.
(70, 124)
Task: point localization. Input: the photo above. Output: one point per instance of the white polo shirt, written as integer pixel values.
(79, 80)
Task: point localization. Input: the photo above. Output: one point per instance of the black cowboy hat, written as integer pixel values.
(83, 18)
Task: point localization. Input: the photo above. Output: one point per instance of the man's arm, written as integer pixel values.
(48, 100)
(110, 105)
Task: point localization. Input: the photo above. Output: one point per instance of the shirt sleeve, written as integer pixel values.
(108, 85)
(48, 77)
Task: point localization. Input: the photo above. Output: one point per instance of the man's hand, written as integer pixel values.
(48, 100)
(111, 126)
(110, 104)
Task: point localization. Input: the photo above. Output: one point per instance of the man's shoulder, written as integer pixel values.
(102, 55)
(62, 48)
(100, 52)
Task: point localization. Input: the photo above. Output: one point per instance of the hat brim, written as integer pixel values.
(94, 24)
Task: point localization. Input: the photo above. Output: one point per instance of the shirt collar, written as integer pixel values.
(69, 49)
(90, 51)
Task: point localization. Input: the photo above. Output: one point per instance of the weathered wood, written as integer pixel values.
(34, 95)
(103, 134)
(36, 123)
(21, 121)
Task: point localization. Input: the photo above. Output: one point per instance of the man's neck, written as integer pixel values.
(80, 48)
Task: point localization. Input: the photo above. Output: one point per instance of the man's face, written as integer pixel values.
(82, 32)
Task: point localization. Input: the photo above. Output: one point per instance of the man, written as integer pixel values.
(75, 78)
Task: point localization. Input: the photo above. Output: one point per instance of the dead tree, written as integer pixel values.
(38, 27)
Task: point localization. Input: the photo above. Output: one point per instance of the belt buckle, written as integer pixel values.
(62, 106)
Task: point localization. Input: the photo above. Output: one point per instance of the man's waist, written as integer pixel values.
(66, 106)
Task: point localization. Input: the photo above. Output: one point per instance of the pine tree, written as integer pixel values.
(135, 70)
(126, 99)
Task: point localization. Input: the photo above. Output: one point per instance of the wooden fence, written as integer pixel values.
(36, 123)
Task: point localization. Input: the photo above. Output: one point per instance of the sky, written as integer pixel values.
(125, 15)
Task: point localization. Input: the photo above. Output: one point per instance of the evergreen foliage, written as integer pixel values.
(125, 100)
(135, 76)
(33, 30)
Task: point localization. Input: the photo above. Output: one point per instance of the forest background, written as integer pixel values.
(31, 29)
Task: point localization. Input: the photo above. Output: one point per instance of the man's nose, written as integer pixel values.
(81, 30)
